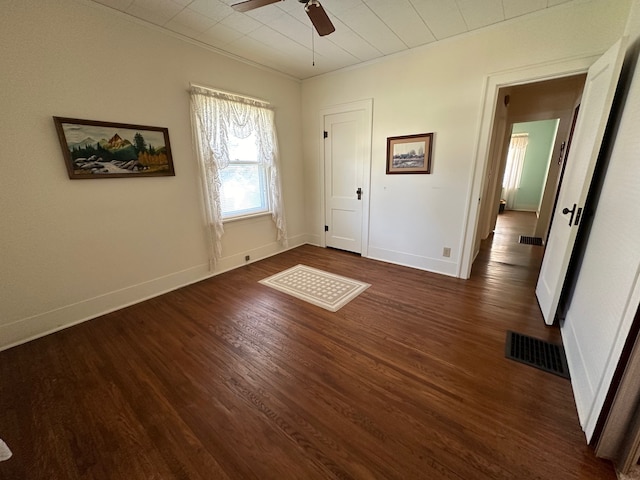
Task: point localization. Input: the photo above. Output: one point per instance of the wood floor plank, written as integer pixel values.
(229, 379)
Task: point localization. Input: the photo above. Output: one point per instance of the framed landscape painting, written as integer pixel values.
(94, 149)
(409, 153)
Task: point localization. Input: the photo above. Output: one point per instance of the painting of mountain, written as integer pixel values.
(83, 144)
(124, 150)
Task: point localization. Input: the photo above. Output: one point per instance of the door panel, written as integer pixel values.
(597, 98)
(601, 322)
(344, 162)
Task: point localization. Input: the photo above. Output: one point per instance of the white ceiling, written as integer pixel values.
(279, 36)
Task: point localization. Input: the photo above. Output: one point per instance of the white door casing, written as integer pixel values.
(597, 98)
(347, 153)
(477, 179)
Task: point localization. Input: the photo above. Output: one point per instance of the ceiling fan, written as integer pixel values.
(317, 14)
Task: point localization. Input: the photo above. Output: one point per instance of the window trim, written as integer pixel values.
(265, 192)
(248, 216)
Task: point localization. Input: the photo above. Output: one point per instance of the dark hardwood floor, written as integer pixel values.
(229, 379)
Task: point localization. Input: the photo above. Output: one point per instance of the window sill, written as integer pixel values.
(245, 217)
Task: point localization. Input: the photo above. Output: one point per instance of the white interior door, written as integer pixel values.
(344, 159)
(595, 107)
(604, 303)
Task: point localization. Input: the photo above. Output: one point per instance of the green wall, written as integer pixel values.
(542, 136)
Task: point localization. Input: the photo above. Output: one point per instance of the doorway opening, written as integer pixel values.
(527, 167)
(544, 111)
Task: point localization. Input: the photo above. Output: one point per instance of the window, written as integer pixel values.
(237, 149)
(513, 169)
(243, 181)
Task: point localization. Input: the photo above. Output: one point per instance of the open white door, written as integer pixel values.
(595, 107)
(345, 152)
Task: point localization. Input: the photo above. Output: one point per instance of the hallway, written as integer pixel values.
(502, 246)
(503, 261)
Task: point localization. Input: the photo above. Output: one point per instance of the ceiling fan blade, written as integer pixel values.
(251, 4)
(319, 18)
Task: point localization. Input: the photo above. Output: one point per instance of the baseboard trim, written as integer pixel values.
(428, 264)
(582, 389)
(40, 325)
(238, 260)
(36, 326)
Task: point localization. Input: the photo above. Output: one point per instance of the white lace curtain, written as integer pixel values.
(216, 116)
(513, 170)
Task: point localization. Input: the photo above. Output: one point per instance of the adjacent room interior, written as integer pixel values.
(146, 334)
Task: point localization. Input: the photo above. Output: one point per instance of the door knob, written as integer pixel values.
(565, 211)
(359, 192)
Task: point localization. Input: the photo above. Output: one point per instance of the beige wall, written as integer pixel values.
(441, 89)
(72, 249)
(633, 23)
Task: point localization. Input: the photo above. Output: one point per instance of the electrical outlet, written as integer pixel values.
(446, 252)
(247, 258)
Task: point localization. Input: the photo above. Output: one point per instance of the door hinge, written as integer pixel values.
(326, 134)
(326, 228)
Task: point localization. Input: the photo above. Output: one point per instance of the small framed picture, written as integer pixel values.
(94, 149)
(409, 153)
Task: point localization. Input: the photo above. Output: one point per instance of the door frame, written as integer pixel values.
(365, 105)
(493, 83)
